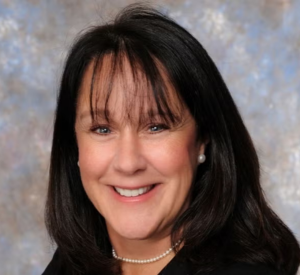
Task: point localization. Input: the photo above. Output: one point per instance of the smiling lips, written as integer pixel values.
(133, 192)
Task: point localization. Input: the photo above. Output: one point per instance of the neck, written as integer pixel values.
(146, 269)
(146, 261)
(142, 250)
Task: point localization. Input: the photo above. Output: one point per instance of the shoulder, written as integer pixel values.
(247, 269)
(176, 267)
(55, 266)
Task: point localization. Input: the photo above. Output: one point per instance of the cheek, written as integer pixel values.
(175, 156)
(93, 159)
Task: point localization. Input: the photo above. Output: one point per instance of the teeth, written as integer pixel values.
(132, 193)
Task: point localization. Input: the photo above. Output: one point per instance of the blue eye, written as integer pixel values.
(157, 128)
(102, 130)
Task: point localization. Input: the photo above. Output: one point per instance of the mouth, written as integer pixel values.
(134, 192)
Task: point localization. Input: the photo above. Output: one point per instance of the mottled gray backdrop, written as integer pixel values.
(255, 44)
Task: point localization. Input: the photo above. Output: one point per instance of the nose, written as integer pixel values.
(129, 158)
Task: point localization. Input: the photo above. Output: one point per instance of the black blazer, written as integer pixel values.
(174, 267)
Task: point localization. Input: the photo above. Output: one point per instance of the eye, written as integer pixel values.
(102, 130)
(157, 128)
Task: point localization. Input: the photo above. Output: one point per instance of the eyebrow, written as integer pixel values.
(102, 113)
(97, 112)
(152, 115)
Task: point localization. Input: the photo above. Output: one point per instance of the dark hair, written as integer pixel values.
(228, 219)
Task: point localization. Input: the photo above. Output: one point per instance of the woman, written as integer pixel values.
(152, 169)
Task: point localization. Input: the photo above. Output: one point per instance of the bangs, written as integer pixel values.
(147, 91)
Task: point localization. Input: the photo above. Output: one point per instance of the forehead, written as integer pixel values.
(117, 85)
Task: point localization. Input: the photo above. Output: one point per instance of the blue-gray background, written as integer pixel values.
(255, 44)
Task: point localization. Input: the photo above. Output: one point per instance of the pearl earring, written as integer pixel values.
(201, 158)
(78, 163)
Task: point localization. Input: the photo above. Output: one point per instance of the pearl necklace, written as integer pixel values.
(151, 260)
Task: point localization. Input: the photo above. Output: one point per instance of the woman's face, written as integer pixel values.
(137, 175)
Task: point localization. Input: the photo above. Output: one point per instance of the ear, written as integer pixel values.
(202, 146)
(202, 149)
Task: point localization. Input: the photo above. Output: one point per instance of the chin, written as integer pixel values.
(134, 231)
(135, 235)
